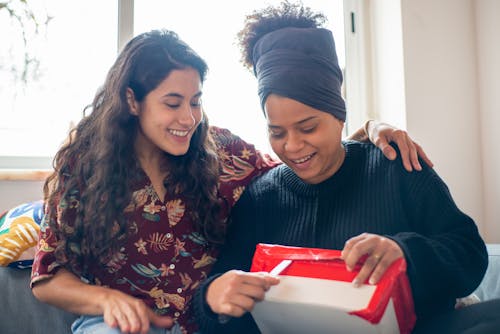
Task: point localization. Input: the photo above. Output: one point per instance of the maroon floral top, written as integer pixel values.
(165, 258)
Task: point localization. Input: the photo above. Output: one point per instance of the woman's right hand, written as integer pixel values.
(130, 314)
(236, 292)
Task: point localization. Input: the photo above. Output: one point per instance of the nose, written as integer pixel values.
(186, 117)
(293, 142)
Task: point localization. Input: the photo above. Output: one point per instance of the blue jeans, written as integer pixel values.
(95, 325)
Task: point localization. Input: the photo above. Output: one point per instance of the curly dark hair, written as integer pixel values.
(86, 195)
(272, 18)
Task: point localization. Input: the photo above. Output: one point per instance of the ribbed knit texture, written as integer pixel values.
(446, 256)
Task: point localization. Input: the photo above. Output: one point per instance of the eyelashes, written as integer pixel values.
(280, 134)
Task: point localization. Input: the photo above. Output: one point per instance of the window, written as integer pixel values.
(78, 45)
(74, 51)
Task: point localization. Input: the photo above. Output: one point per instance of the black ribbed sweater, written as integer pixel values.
(446, 257)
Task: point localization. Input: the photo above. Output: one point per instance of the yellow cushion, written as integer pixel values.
(19, 229)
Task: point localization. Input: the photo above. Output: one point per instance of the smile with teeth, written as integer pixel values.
(302, 160)
(178, 133)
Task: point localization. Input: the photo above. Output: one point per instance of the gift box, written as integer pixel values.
(316, 295)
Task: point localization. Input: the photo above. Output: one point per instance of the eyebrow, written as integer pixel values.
(181, 96)
(298, 123)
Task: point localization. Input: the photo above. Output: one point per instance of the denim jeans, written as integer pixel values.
(96, 325)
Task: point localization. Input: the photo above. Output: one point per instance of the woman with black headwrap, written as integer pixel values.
(335, 194)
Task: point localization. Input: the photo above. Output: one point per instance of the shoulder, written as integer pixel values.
(360, 155)
(223, 137)
(394, 169)
(229, 145)
(360, 149)
(269, 181)
(262, 193)
(368, 160)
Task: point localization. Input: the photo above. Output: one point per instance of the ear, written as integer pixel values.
(132, 102)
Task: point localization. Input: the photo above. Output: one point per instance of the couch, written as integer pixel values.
(22, 313)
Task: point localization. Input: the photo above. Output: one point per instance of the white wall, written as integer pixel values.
(451, 59)
(488, 61)
(442, 103)
(13, 193)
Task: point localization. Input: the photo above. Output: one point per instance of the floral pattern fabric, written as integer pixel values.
(165, 258)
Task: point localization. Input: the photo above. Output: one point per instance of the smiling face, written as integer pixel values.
(304, 138)
(169, 114)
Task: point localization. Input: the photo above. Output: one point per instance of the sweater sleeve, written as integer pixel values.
(237, 253)
(445, 254)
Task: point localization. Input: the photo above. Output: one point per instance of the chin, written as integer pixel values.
(177, 152)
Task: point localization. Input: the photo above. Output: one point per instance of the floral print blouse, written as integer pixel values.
(165, 258)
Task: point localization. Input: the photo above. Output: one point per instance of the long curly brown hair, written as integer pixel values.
(86, 195)
(272, 18)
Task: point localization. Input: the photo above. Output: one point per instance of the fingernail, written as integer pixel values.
(356, 283)
(371, 281)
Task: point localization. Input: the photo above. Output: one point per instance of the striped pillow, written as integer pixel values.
(19, 229)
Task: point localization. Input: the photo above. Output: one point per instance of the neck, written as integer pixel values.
(150, 157)
(152, 161)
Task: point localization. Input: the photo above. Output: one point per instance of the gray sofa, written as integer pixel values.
(21, 313)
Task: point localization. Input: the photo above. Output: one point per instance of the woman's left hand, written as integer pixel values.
(381, 253)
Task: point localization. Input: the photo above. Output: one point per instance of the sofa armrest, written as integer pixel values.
(22, 312)
(490, 286)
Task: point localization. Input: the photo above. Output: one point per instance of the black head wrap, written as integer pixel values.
(301, 64)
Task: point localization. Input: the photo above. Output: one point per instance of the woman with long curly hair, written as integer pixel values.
(138, 201)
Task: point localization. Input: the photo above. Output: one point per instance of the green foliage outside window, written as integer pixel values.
(26, 24)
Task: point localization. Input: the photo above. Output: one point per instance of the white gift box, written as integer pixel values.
(316, 295)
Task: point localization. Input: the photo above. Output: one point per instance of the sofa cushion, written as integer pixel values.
(19, 229)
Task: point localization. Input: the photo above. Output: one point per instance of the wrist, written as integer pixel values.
(204, 293)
